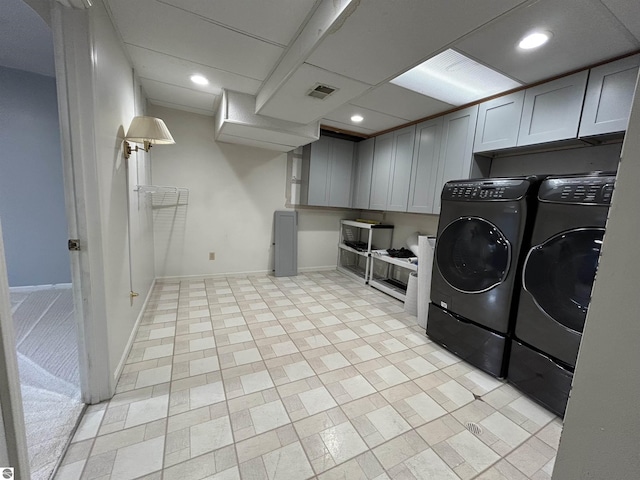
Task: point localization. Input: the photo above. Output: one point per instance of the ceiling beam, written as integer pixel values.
(328, 16)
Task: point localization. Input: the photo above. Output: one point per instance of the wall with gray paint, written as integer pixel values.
(31, 183)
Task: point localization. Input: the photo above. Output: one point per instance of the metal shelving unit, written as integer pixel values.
(391, 275)
(355, 245)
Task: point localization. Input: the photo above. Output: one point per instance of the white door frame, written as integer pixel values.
(73, 50)
(13, 439)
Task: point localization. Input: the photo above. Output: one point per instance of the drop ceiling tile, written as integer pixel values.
(374, 121)
(400, 102)
(292, 103)
(381, 39)
(264, 19)
(166, 29)
(584, 32)
(178, 97)
(176, 71)
(628, 12)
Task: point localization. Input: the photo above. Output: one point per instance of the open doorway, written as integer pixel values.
(32, 208)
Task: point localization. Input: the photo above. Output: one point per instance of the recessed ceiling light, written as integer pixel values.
(357, 118)
(455, 79)
(199, 80)
(534, 40)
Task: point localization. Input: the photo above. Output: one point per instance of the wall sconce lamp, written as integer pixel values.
(148, 131)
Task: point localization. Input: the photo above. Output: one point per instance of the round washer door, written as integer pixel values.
(559, 275)
(473, 255)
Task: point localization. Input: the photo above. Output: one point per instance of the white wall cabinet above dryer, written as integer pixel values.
(551, 111)
(499, 122)
(392, 160)
(607, 103)
(456, 150)
(362, 170)
(424, 171)
(330, 168)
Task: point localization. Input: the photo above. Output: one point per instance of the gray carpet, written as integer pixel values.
(48, 362)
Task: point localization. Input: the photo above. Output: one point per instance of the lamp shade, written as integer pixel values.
(149, 129)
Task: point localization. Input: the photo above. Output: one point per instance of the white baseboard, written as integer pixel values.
(132, 337)
(211, 275)
(317, 269)
(240, 274)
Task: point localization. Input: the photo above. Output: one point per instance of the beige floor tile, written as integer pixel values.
(531, 457)
(287, 463)
(138, 459)
(425, 465)
(333, 446)
(145, 411)
(269, 416)
(313, 376)
(528, 414)
(399, 449)
(204, 365)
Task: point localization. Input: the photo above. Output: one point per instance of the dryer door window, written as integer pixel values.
(559, 275)
(473, 255)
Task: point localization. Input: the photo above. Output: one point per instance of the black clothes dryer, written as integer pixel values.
(482, 226)
(557, 277)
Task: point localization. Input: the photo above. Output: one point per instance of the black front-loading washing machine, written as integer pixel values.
(557, 276)
(481, 230)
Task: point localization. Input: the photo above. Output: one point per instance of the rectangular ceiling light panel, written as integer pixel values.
(453, 78)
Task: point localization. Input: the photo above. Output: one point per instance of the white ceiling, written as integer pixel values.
(279, 49)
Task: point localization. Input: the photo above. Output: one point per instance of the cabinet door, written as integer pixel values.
(362, 173)
(382, 156)
(456, 149)
(552, 110)
(499, 122)
(319, 172)
(607, 103)
(424, 170)
(400, 177)
(340, 168)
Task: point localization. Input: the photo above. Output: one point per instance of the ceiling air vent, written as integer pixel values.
(321, 91)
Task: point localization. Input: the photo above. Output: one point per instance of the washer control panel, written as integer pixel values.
(594, 190)
(494, 189)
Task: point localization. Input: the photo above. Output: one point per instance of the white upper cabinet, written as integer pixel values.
(607, 104)
(319, 172)
(362, 174)
(424, 170)
(552, 110)
(456, 149)
(340, 175)
(401, 169)
(382, 155)
(392, 159)
(330, 168)
(499, 122)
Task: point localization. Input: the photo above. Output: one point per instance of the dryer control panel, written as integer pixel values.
(486, 190)
(592, 190)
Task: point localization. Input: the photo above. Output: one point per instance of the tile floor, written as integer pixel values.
(314, 376)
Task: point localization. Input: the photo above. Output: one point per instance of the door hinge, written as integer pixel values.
(73, 244)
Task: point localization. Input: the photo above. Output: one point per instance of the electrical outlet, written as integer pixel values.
(212, 255)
